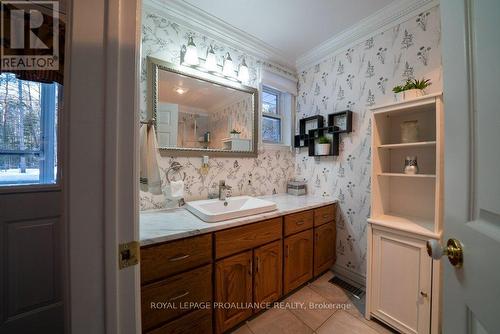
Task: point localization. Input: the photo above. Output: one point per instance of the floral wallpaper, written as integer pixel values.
(268, 173)
(358, 78)
(264, 175)
(237, 115)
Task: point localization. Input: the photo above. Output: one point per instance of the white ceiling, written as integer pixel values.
(199, 94)
(291, 26)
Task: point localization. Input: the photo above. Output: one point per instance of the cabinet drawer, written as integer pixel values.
(299, 221)
(163, 260)
(192, 286)
(246, 237)
(199, 321)
(324, 215)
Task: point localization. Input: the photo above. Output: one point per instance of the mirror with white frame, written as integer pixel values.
(199, 112)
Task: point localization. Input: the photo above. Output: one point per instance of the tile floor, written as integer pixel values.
(343, 318)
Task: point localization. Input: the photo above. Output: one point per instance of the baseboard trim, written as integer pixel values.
(350, 276)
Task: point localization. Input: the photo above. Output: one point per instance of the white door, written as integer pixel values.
(32, 241)
(166, 124)
(471, 55)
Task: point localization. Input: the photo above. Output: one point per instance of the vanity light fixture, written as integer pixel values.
(228, 68)
(189, 57)
(191, 54)
(243, 74)
(211, 60)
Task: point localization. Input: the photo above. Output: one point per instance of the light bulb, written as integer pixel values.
(180, 90)
(243, 74)
(191, 55)
(211, 61)
(228, 68)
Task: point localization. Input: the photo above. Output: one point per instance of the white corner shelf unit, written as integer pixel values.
(403, 282)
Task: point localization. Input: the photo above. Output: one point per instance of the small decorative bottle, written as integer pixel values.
(411, 166)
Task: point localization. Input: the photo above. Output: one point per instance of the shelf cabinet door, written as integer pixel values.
(233, 284)
(401, 282)
(268, 263)
(298, 260)
(324, 247)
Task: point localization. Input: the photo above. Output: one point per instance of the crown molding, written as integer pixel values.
(390, 15)
(196, 19)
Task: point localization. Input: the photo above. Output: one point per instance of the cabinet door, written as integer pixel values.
(268, 262)
(401, 282)
(194, 286)
(298, 260)
(199, 322)
(233, 284)
(324, 247)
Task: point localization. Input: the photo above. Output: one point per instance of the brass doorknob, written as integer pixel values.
(453, 250)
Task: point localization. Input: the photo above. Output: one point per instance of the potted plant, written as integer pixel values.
(323, 147)
(234, 133)
(412, 88)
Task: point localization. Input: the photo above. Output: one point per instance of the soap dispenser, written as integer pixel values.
(204, 165)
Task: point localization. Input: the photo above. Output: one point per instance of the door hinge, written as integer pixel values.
(128, 254)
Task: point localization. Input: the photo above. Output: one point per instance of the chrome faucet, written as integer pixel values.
(223, 190)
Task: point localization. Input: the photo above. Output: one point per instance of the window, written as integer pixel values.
(28, 135)
(272, 116)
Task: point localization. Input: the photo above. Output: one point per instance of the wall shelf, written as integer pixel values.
(432, 176)
(390, 188)
(411, 224)
(339, 122)
(407, 145)
(314, 134)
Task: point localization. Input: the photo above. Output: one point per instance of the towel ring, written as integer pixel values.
(175, 167)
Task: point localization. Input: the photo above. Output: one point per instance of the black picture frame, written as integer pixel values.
(320, 121)
(314, 134)
(333, 121)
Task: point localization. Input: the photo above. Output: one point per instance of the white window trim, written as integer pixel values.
(286, 143)
(288, 89)
(279, 115)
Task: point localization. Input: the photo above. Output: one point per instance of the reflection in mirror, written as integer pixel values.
(195, 114)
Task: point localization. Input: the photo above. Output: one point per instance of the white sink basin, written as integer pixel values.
(214, 210)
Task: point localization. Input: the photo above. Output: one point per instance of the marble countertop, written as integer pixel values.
(165, 225)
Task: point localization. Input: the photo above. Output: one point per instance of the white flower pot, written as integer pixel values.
(412, 94)
(399, 96)
(323, 149)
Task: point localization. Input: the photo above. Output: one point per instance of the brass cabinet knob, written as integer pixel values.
(453, 250)
(423, 294)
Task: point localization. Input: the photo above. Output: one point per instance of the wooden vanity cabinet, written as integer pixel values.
(238, 239)
(309, 245)
(298, 263)
(268, 263)
(199, 322)
(163, 260)
(251, 273)
(324, 247)
(233, 284)
(194, 286)
(255, 263)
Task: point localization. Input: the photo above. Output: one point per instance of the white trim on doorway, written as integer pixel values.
(101, 179)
